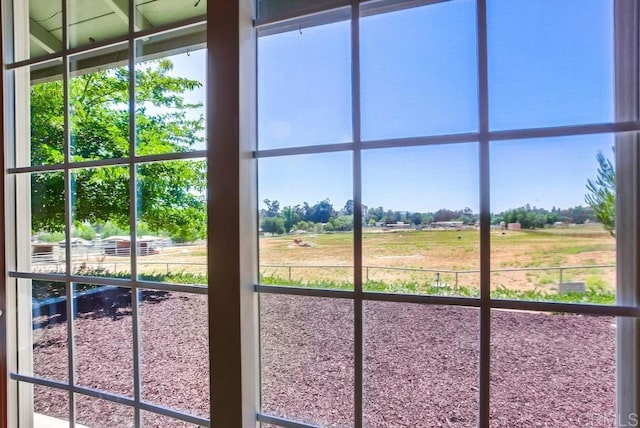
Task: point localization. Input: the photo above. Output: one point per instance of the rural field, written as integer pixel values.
(413, 373)
(528, 263)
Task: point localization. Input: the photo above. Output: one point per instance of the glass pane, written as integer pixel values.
(170, 94)
(99, 103)
(175, 350)
(101, 20)
(155, 420)
(40, 24)
(160, 12)
(421, 365)
(550, 62)
(307, 373)
(549, 238)
(47, 222)
(50, 406)
(552, 370)
(306, 240)
(48, 356)
(93, 412)
(304, 87)
(103, 338)
(47, 117)
(100, 213)
(420, 224)
(419, 71)
(272, 9)
(172, 222)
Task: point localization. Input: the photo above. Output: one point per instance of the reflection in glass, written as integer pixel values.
(420, 364)
(93, 412)
(552, 370)
(420, 220)
(547, 241)
(101, 242)
(175, 350)
(419, 71)
(103, 20)
(161, 12)
(172, 222)
(47, 222)
(269, 9)
(42, 24)
(103, 338)
(304, 87)
(307, 373)
(550, 62)
(170, 95)
(48, 355)
(306, 221)
(99, 102)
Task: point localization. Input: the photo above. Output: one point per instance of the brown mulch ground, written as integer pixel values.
(420, 363)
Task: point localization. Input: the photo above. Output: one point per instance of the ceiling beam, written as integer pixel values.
(121, 8)
(43, 38)
(118, 56)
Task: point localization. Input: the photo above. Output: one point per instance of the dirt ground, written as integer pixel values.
(420, 363)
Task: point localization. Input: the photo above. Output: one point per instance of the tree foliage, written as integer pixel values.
(601, 194)
(273, 225)
(171, 195)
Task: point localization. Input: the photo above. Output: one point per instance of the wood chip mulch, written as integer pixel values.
(420, 366)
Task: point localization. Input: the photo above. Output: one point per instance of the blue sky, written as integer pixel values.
(550, 64)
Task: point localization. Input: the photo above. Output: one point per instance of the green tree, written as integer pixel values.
(340, 223)
(416, 219)
(601, 194)
(321, 212)
(348, 207)
(171, 194)
(273, 225)
(273, 208)
(291, 216)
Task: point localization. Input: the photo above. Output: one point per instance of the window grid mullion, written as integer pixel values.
(66, 97)
(485, 220)
(133, 246)
(358, 327)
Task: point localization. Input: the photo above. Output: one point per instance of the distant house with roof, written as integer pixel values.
(120, 245)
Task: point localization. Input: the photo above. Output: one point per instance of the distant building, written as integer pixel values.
(42, 251)
(121, 245)
(398, 226)
(514, 226)
(447, 224)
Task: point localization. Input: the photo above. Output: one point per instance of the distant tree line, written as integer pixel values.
(323, 216)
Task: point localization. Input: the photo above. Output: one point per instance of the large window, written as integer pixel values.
(440, 226)
(109, 186)
(340, 213)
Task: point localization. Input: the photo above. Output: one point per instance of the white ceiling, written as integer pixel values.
(92, 21)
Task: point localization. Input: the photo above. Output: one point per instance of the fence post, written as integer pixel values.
(167, 268)
(561, 275)
(289, 273)
(456, 286)
(367, 273)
